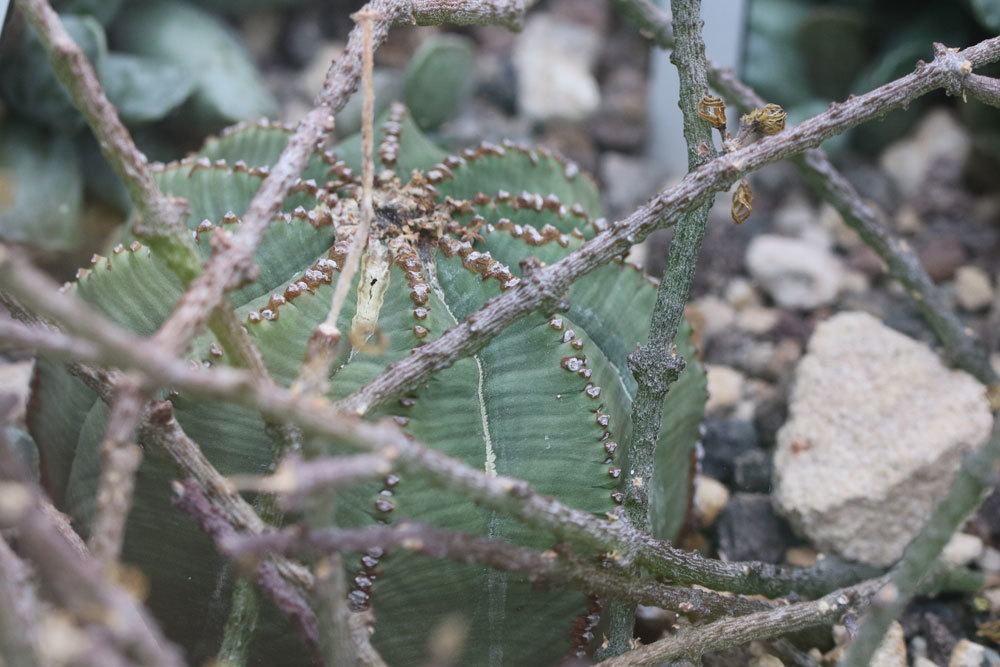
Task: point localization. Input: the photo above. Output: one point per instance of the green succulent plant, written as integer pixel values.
(547, 401)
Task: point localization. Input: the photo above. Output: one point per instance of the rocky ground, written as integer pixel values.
(832, 426)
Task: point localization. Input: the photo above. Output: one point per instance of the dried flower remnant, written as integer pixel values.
(742, 202)
(713, 111)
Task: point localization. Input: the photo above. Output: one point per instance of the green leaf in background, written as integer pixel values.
(772, 63)
(832, 42)
(40, 187)
(240, 7)
(143, 89)
(228, 87)
(439, 79)
(987, 12)
(102, 10)
(29, 85)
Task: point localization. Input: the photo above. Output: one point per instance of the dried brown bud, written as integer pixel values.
(742, 202)
(713, 111)
(768, 120)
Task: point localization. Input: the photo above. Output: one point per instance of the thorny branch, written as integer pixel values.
(544, 288)
(189, 498)
(317, 417)
(78, 76)
(656, 364)
(720, 635)
(900, 258)
(72, 577)
(550, 568)
(984, 88)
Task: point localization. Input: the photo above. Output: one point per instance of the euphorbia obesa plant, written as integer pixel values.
(547, 401)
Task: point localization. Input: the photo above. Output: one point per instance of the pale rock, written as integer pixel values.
(745, 410)
(766, 660)
(843, 236)
(924, 662)
(892, 651)
(741, 294)
(855, 282)
(962, 549)
(710, 498)
(757, 320)
(971, 654)
(909, 161)
(797, 217)
(717, 316)
(989, 560)
(877, 428)
(796, 274)
(907, 220)
(801, 556)
(725, 387)
(992, 596)
(972, 288)
(553, 59)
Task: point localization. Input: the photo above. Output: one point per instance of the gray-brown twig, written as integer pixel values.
(720, 635)
(545, 287)
(986, 89)
(548, 568)
(900, 258)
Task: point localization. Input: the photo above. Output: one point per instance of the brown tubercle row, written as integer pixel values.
(320, 273)
(388, 149)
(444, 170)
(478, 262)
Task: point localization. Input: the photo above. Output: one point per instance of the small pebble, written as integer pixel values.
(801, 556)
(972, 288)
(710, 498)
(971, 654)
(962, 549)
(725, 387)
(989, 560)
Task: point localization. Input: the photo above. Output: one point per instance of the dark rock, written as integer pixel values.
(724, 441)
(620, 122)
(941, 623)
(771, 413)
(941, 257)
(750, 530)
(872, 183)
(752, 471)
(986, 521)
(573, 140)
(867, 261)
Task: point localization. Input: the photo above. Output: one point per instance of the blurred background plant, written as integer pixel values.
(804, 54)
(176, 72)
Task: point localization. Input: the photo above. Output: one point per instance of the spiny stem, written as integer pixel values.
(984, 88)
(960, 346)
(317, 417)
(720, 635)
(549, 568)
(656, 365)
